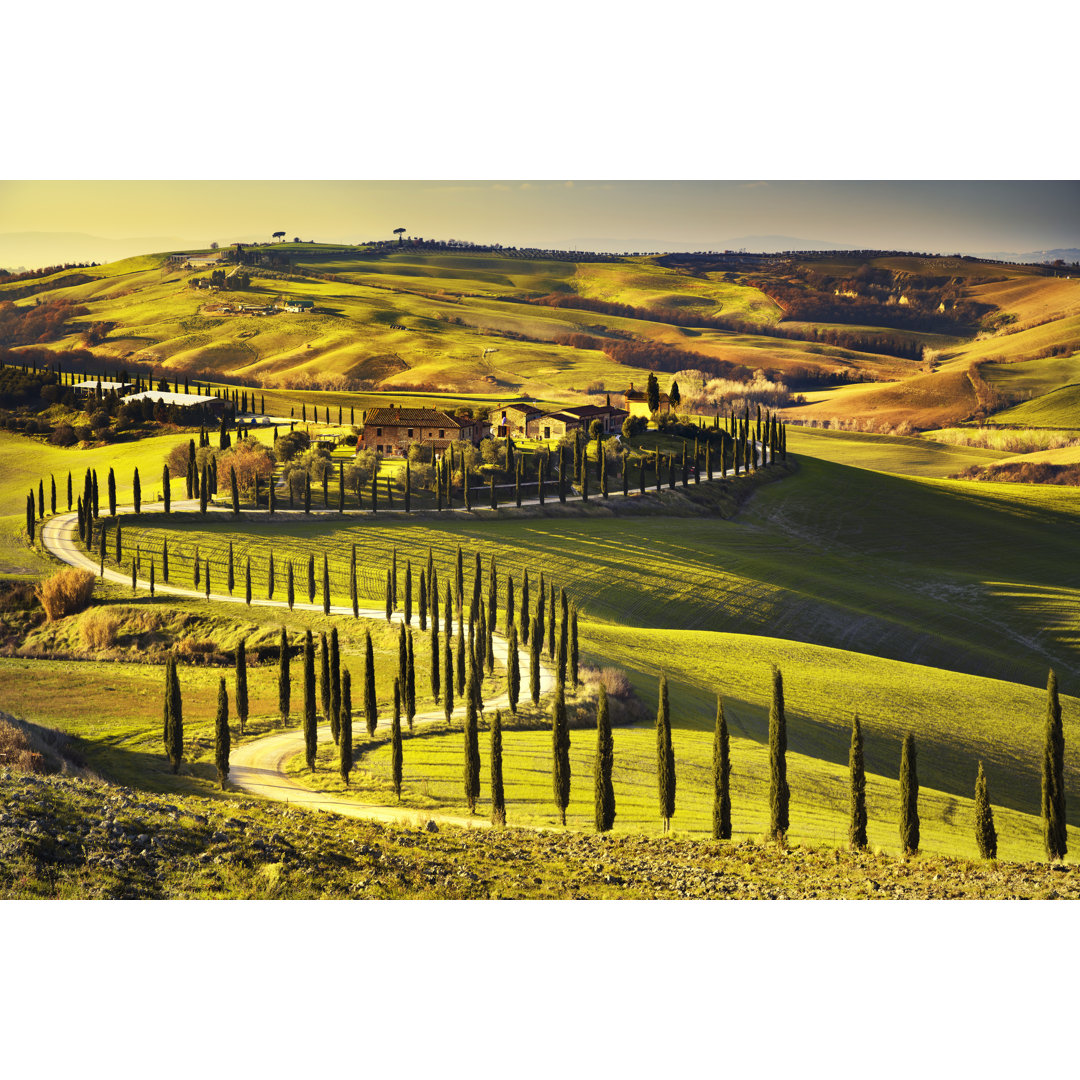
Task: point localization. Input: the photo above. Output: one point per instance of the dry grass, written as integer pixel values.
(1019, 441)
(65, 593)
(99, 628)
(16, 750)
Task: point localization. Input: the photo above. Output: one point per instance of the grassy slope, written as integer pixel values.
(1058, 409)
(887, 453)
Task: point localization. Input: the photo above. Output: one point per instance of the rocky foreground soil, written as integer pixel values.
(62, 837)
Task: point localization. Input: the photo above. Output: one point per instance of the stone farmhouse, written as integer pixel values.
(392, 431)
(556, 425)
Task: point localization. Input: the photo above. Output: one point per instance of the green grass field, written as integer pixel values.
(1059, 408)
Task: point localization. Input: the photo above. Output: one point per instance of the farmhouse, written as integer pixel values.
(393, 430)
(556, 425)
(299, 305)
(513, 420)
(636, 403)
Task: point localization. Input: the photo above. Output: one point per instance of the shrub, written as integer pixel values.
(65, 593)
(615, 682)
(98, 628)
(64, 435)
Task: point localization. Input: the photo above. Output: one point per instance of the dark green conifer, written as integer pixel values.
(513, 673)
(290, 589)
(498, 800)
(371, 709)
(460, 657)
(311, 579)
(345, 760)
(472, 744)
(136, 491)
(435, 660)
(247, 581)
(325, 586)
(408, 592)
(353, 598)
(560, 744)
(909, 798)
(448, 679)
(422, 602)
(176, 721)
(309, 701)
(230, 577)
(525, 607)
(395, 741)
(857, 824)
(985, 833)
(1053, 776)
(665, 756)
(603, 788)
(270, 578)
(284, 678)
(234, 491)
(778, 785)
(389, 596)
(410, 683)
(241, 684)
(111, 486)
(721, 776)
(221, 734)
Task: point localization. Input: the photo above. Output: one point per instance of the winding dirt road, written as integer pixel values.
(258, 767)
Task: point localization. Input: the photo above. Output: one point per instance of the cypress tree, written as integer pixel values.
(778, 785)
(1053, 776)
(335, 685)
(284, 678)
(101, 553)
(513, 673)
(325, 586)
(111, 483)
(176, 721)
(345, 729)
(136, 491)
(290, 589)
(574, 667)
(395, 741)
(408, 592)
(311, 579)
(196, 564)
(459, 581)
(474, 608)
(472, 745)
(435, 659)
(560, 655)
(307, 493)
(551, 626)
(403, 658)
(324, 677)
(534, 664)
(448, 607)
(247, 581)
(272, 503)
(909, 798)
(448, 679)
(509, 603)
(204, 491)
(525, 607)
(985, 833)
(603, 789)
(857, 827)
(665, 756)
(230, 576)
(241, 684)
(423, 601)
(353, 598)
(31, 518)
(206, 576)
(371, 710)
(389, 596)
(221, 734)
(164, 556)
(134, 583)
(460, 657)
(560, 745)
(234, 491)
(309, 701)
(69, 491)
(410, 682)
(721, 821)
(498, 800)
(493, 595)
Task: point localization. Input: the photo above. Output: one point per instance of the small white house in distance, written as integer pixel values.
(183, 400)
(90, 386)
(299, 305)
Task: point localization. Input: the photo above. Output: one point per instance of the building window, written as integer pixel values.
(378, 431)
(442, 432)
(410, 433)
(379, 448)
(547, 433)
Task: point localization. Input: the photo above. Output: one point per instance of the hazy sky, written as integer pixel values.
(939, 216)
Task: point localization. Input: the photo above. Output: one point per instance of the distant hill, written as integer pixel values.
(33, 249)
(1069, 255)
